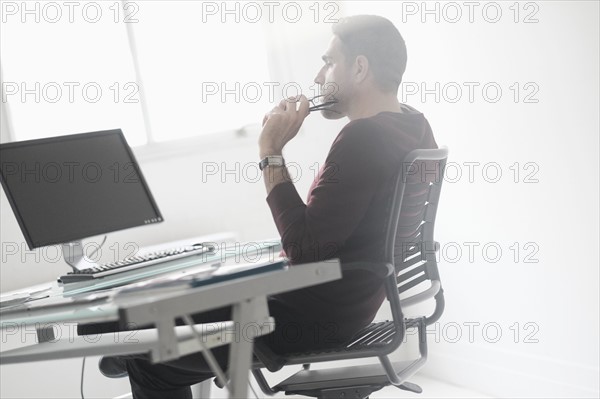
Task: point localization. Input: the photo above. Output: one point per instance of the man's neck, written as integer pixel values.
(366, 106)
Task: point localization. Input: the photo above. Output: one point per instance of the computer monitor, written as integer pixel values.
(64, 189)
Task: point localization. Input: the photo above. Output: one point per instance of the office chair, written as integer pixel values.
(410, 268)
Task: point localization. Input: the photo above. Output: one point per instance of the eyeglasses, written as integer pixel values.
(317, 107)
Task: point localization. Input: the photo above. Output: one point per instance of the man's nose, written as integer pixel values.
(319, 78)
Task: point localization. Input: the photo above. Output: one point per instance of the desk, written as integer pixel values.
(246, 295)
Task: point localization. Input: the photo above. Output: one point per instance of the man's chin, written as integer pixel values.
(331, 114)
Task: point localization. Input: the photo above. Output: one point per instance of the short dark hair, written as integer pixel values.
(379, 41)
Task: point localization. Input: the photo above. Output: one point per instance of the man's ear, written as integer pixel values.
(361, 68)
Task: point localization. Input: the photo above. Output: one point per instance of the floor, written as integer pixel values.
(431, 389)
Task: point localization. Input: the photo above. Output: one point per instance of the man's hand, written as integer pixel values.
(281, 125)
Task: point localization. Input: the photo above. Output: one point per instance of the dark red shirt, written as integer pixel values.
(345, 215)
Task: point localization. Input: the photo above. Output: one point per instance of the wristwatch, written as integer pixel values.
(271, 160)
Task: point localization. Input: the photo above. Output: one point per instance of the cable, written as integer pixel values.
(81, 383)
(208, 356)
(210, 359)
(99, 246)
(253, 391)
(66, 258)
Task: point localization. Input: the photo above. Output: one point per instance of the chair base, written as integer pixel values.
(357, 392)
(344, 382)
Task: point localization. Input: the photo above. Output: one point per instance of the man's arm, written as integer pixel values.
(338, 202)
(349, 179)
(274, 175)
(279, 127)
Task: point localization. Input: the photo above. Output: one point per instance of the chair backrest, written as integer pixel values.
(409, 245)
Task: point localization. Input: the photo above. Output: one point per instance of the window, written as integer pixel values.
(70, 67)
(66, 75)
(200, 75)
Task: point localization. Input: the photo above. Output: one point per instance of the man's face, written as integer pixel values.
(334, 80)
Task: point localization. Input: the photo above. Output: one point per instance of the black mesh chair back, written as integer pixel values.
(414, 251)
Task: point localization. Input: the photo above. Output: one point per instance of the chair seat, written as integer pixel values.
(379, 333)
(372, 337)
(356, 377)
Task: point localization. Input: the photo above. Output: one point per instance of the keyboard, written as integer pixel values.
(135, 262)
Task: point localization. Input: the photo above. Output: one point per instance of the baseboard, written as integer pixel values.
(506, 374)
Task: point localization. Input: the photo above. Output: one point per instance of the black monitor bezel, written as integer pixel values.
(76, 136)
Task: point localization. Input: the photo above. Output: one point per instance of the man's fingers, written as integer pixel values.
(268, 115)
(300, 105)
(296, 104)
(283, 104)
(304, 105)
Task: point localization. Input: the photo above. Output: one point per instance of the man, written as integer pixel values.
(347, 207)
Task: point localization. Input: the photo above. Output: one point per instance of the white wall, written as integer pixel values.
(556, 354)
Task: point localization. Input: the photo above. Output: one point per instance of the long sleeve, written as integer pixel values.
(338, 201)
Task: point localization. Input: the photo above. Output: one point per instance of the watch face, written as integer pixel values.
(276, 161)
(271, 161)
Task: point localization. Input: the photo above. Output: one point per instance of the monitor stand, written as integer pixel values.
(74, 256)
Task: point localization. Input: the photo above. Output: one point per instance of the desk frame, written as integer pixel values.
(247, 296)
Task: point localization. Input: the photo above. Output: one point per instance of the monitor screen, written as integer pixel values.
(68, 188)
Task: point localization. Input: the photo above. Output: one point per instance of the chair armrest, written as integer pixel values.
(381, 269)
(269, 359)
(422, 296)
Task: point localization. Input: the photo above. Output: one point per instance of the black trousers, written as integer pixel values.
(293, 333)
(171, 379)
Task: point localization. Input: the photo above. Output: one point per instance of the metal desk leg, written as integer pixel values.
(245, 317)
